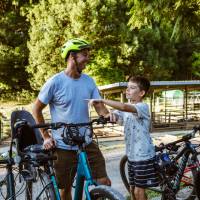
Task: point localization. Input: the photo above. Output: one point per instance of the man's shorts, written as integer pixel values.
(66, 164)
(143, 173)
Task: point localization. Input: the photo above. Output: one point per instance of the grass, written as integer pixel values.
(150, 194)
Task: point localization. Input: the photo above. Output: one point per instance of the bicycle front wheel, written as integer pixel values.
(41, 188)
(103, 192)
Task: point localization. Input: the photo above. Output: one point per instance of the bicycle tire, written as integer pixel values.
(197, 183)
(122, 167)
(42, 183)
(102, 192)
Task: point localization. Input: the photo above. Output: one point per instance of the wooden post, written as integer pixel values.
(151, 110)
(165, 101)
(0, 129)
(186, 103)
(122, 97)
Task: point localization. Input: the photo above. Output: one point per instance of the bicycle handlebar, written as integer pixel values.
(185, 138)
(57, 125)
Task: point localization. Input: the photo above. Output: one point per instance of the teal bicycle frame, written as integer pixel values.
(83, 175)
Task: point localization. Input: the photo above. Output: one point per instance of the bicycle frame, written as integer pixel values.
(185, 155)
(55, 186)
(50, 171)
(180, 177)
(83, 175)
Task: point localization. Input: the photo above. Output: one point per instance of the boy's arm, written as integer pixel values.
(101, 109)
(115, 104)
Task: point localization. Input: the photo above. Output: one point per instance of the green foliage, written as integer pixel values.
(174, 27)
(53, 22)
(158, 39)
(48, 21)
(181, 16)
(22, 96)
(13, 50)
(104, 65)
(196, 64)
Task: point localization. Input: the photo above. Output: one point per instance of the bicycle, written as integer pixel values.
(33, 164)
(84, 180)
(178, 172)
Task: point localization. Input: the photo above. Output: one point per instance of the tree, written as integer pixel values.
(13, 50)
(179, 21)
(53, 22)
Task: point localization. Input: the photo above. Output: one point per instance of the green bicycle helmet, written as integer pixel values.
(74, 45)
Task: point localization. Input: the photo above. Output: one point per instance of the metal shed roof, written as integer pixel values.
(155, 85)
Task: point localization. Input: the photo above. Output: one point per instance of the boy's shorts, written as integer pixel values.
(143, 174)
(66, 164)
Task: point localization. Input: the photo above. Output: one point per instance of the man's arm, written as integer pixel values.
(39, 118)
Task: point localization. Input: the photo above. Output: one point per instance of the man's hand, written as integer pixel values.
(49, 143)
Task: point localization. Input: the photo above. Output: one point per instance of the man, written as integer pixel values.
(65, 93)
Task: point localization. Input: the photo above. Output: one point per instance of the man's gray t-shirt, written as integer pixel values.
(139, 145)
(65, 97)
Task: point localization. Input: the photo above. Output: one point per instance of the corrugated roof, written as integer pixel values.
(154, 84)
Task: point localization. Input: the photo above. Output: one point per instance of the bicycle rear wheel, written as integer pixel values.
(189, 188)
(41, 188)
(103, 192)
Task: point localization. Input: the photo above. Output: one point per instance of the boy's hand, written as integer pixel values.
(113, 117)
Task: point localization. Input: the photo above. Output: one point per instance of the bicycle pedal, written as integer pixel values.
(27, 175)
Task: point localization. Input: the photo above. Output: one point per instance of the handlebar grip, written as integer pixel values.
(56, 125)
(46, 125)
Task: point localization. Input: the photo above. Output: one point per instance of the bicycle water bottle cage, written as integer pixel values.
(169, 166)
(71, 136)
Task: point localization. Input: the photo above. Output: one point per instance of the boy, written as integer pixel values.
(140, 150)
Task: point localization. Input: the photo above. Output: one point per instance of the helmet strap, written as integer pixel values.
(76, 63)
